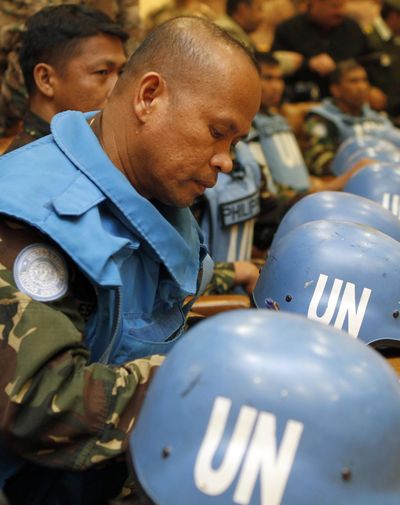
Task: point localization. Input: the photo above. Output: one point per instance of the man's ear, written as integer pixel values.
(151, 90)
(44, 76)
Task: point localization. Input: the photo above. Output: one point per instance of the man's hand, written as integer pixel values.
(246, 275)
(289, 61)
(337, 183)
(323, 64)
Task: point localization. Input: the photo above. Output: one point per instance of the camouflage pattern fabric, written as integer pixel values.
(13, 14)
(223, 279)
(13, 95)
(322, 141)
(56, 410)
(33, 128)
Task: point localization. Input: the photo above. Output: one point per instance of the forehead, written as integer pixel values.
(354, 75)
(94, 48)
(268, 70)
(232, 98)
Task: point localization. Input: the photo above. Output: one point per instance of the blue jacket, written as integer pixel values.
(281, 150)
(143, 260)
(347, 125)
(232, 206)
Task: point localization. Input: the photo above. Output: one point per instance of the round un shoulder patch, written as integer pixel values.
(41, 273)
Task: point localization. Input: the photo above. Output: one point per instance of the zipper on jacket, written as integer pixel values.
(115, 327)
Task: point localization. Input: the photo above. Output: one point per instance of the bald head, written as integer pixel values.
(187, 97)
(183, 48)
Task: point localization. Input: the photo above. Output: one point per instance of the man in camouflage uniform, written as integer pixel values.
(13, 15)
(74, 22)
(345, 114)
(275, 147)
(61, 79)
(99, 252)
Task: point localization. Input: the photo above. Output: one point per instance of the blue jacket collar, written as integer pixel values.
(176, 242)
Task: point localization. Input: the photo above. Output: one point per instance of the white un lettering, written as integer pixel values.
(347, 306)
(392, 203)
(253, 443)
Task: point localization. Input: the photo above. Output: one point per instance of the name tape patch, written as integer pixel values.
(240, 210)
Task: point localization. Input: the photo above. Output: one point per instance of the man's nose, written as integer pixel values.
(222, 162)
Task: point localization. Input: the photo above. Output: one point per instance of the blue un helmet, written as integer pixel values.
(338, 206)
(339, 273)
(266, 408)
(379, 182)
(355, 149)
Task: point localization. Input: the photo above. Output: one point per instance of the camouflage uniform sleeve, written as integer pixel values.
(223, 279)
(13, 94)
(322, 140)
(55, 408)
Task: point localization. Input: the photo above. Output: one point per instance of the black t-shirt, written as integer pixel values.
(302, 35)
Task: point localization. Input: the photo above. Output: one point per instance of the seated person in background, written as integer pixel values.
(213, 10)
(346, 113)
(363, 11)
(383, 34)
(322, 37)
(275, 147)
(13, 15)
(274, 12)
(247, 16)
(76, 71)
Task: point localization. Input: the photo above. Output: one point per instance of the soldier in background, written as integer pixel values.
(384, 37)
(213, 10)
(339, 117)
(77, 72)
(274, 145)
(13, 15)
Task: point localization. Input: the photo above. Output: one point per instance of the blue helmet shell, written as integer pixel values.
(340, 273)
(356, 148)
(263, 408)
(379, 182)
(338, 206)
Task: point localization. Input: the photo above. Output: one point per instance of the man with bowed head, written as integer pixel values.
(97, 262)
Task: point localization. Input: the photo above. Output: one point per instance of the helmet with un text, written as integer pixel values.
(379, 182)
(355, 149)
(258, 407)
(339, 273)
(338, 206)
